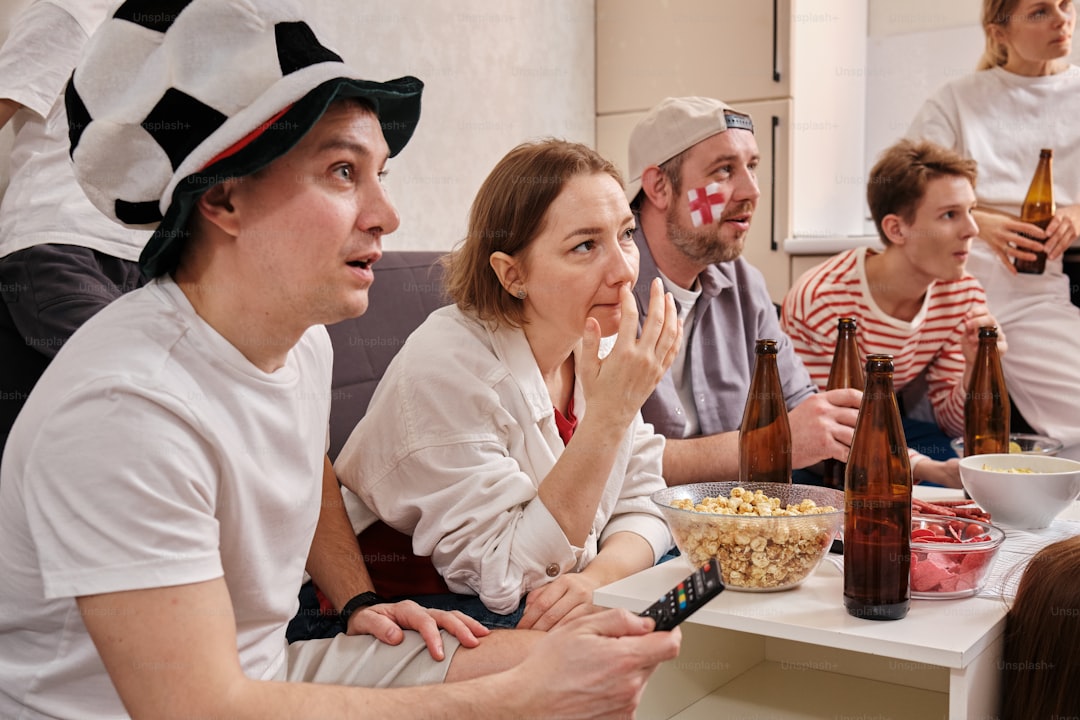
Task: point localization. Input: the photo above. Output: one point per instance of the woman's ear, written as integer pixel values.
(215, 205)
(508, 270)
(996, 31)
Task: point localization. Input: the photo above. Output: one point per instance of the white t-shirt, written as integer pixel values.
(44, 203)
(153, 454)
(681, 373)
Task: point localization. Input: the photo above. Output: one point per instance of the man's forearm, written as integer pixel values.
(712, 458)
(335, 562)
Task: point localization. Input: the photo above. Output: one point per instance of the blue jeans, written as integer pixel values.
(927, 438)
(311, 622)
(471, 606)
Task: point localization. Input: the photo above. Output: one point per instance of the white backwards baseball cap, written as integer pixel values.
(675, 125)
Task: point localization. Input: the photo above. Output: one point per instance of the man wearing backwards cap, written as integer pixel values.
(692, 164)
(160, 491)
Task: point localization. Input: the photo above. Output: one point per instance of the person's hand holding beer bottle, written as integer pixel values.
(1006, 236)
(1062, 231)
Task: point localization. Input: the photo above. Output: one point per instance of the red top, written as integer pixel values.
(395, 570)
(566, 424)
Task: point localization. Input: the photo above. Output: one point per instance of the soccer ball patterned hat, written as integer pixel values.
(173, 96)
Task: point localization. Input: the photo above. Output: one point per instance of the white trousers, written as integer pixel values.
(1042, 327)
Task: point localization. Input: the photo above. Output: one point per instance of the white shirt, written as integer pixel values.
(43, 202)
(152, 453)
(458, 437)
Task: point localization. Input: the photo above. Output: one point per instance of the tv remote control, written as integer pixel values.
(685, 598)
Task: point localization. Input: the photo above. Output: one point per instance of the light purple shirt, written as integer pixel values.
(733, 312)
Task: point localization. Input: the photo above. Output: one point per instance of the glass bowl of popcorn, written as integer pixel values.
(951, 557)
(767, 536)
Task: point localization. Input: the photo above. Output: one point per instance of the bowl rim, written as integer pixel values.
(734, 484)
(997, 535)
(1052, 445)
(966, 463)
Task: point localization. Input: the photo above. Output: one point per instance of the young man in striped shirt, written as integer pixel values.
(914, 300)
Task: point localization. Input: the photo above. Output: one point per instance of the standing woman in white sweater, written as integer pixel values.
(1025, 96)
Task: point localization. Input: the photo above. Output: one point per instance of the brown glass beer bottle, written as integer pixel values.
(877, 498)
(1038, 208)
(846, 372)
(765, 435)
(986, 407)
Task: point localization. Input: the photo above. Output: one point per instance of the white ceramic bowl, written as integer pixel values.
(1018, 499)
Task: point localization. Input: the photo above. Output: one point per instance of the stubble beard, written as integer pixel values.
(702, 245)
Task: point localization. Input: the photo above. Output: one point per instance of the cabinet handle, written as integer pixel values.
(775, 41)
(773, 245)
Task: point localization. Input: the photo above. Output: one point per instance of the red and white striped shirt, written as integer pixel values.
(931, 341)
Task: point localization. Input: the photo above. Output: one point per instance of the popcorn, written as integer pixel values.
(753, 553)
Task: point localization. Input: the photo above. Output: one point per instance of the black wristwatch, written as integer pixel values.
(362, 600)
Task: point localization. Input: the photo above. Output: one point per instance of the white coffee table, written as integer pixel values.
(798, 654)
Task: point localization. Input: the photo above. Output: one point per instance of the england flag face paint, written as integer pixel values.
(706, 204)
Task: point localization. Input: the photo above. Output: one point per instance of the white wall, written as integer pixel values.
(829, 87)
(892, 17)
(497, 72)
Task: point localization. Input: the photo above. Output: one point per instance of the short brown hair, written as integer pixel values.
(508, 213)
(898, 180)
(1040, 675)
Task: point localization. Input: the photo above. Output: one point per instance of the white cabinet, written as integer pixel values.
(797, 66)
(729, 49)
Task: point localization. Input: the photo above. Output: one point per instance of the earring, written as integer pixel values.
(521, 294)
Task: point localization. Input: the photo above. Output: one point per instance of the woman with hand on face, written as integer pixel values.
(1024, 97)
(498, 439)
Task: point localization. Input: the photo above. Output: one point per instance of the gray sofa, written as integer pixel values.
(407, 287)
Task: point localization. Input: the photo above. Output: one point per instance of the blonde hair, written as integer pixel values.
(509, 212)
(995, 12)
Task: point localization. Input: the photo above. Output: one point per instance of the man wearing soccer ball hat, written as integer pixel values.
(163, 484)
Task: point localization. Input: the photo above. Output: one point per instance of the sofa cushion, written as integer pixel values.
(407, 287)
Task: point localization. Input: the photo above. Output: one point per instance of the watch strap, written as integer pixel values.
(363, 600)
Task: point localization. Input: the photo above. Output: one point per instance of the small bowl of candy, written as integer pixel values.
(951, 557)
(1024, 443)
